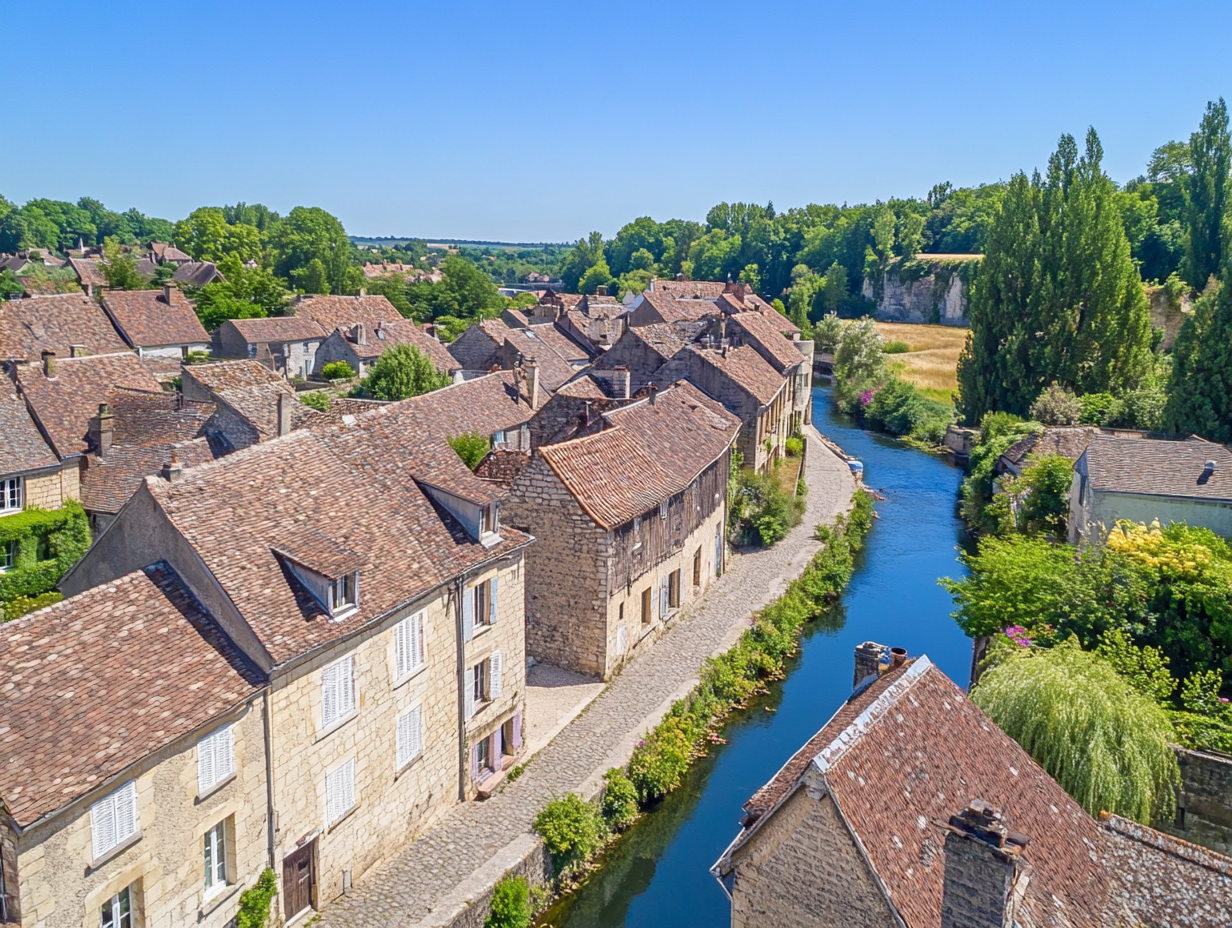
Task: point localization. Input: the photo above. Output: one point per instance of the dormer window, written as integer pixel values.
(344, 595)
(491, 519)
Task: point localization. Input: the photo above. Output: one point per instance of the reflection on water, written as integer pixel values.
(658, 874)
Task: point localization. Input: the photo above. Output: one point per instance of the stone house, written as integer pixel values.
(493, 345)
(911, 808)
(643, 350)
(65, 324)
(201, 381)
(629, 522)
(121, 834)
(157, 323)
(365, 572)
(498, 406)
(656, 308)
(361, 345)
(478, 348)
(1069, 441)
(783, 350)
(343, 312)
(30, 472)
(89, 274)
(287, 343)
(1144, 479)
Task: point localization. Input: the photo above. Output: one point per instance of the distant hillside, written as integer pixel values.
(391, 240)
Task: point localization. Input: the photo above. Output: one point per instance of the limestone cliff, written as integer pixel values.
(925, 289)
(1168, 312)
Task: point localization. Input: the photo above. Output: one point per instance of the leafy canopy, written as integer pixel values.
(401, 372)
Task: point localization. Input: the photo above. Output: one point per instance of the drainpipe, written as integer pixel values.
(463, 760)
(270, 818)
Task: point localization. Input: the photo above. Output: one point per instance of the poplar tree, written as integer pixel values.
(1204, 189)
(1200, 385)
(1057, 298)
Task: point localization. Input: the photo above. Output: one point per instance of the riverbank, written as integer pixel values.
(445, 876)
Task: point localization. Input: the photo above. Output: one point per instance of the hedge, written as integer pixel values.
(49, 542)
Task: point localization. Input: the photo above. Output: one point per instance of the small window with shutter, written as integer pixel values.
(337, 691)
(215, 759)
(113, 820)
(410, 736)
(339, 792)
(408, 646)
(495, 668)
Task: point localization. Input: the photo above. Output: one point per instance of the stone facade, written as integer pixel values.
(1166, 313)
(1204, 806)
(49, 491)
(804, 870)
(163, 867)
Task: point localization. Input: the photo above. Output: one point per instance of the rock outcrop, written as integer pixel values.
(927, 289)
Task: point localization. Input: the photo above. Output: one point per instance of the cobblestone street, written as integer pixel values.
(405, 890)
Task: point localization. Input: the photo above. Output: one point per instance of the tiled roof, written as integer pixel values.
(477, 349)
(649, 453)
(747, 368)
(666, 338)
(670, 309)
(554, 369)
(63, 404)
(147, 430)
(583, 385)
(1067, 441)
(559, 342)
(1156, 467)
(912, 750)
(355, 485)
(487, 404)
(401, 332)
(54, 323)
(258, 406)
(761, 329)
(225, 375)
(197, 273)
(89, 271)
(277, 329)
(502, 467)
(102, 679)
(147, 319)
(689, 289)
(332, 312)
(21, 445)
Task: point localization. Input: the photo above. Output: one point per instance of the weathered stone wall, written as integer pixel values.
(334, 348)
(938, 296)
(1204, 807)
(49, 491)
(60, 887)
(756, 422)
(1166, 314)
(803, 870)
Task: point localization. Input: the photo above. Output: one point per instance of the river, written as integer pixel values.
(657, 875)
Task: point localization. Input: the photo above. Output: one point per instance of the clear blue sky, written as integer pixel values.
(539, 121)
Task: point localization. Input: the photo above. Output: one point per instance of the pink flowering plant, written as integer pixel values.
(1019, 635)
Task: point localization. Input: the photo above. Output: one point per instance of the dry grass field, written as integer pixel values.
(932, 362)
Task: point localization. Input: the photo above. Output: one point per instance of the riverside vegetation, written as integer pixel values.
(574, 830)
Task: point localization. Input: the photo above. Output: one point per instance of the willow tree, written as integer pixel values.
(1102, 740)
(1057, 298)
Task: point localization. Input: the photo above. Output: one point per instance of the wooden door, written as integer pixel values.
(298, 878)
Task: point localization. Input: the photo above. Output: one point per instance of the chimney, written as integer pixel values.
(601, 290)
(168, 290)
(532, 382)
(898, 657)
(284, 413)
(173, 472)
(77, 351)
(983, 860)
(621, 382)
(102, 428)
(49, 363)
(363, 291)
(586, 414)
(680, 277)
(654, 390)
(359, 334)
(868, 662)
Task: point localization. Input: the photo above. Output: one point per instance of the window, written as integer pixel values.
(8, 555)
(409, 645)
(646, 597)
(10, 494)
(482, 607)
(483, 756)
(484, 682)
(718, 551)
(479, 682)
(697, 567)
(216, 859)
(673, 589)
(113, 820)
(410, 736)
(117, 912)
(491, 521)
(337, 691)
(637, 525)
(663, 510)
(478, 607)
(343, 594)
(215, 759)
(339, 791)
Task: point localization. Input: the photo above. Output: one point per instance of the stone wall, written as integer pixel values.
(49, 491)
(925, 290)
(1204, 807)
(61, 887)
(1167, 314)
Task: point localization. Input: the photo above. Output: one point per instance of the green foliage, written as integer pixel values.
(596, 276)
(1038, 501)
(255, 901)
(998, 431)
(119, 267)
(895, 348)
(1200, 388)
(510, 906)
(20, 605)
(401, 372)
(619, 800)
(900, 409)
(245, 293)
(1205, 195)
(10, 287)
(463, 292)
(1056, 262)
(1106, 744)
(207, 236)
(794, 447)
(1145, 669)
(766, 511)
(48, 543)
(316, 399)
(310, 248)
(859, 363)
(337, 370)
(471, 447)
(1200, 693)
(571, 828)
(1058, 406)
(827, 332)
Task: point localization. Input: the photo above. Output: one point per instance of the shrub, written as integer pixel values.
(900, 409)
(471, 447)
(1057, 406)
(255, 901)
(20, 605)
(571, 828)
(660, 762)
(197, 357)
(768, 511)
(401, 372)
(619, 800)
(895, 348)
(48, 542)
(316, 400)
(1099, 408)
(337, 370)
(510, 906)
(794, 447)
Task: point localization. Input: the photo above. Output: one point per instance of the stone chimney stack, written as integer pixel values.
(532, 382)
(168, 292)
(654, 391)
(983, 860)
(601, 290)
(173, 472)
(77, 351)
(621, 382)
(360, 334)
(102, 429)
(49, 363)
(284, 413)
(868, 662)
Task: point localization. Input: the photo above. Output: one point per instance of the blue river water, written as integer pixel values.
(657, 875)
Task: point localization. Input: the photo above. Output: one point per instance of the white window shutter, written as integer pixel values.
(401, 651)
(492, 602)
(347, 702)
(331, 802)
(102, 826)
(126, 812)
(417, 629)
(468, 613)
(494, 671)
(348, 785)
(622, 639)
(416, 731)
(404, 740)
(329, 704)
(224, 756)
(205, 765)
(470, 694)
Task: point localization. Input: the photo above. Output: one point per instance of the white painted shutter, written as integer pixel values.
(622, 640)
(494, 675)
(402, 650)
(470, 693)
(416, 731)
(329, 695)
(102, 826)
(492, 602)
(346, 684)
(224, 754)
(468, 613)
(205, 764)
(348, 785)
(331, 801)
(417, 630)
(410, 736)
(125, 812)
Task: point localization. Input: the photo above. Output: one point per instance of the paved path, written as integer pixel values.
(405, 890)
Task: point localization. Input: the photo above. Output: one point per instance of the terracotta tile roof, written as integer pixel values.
(1070, 442)
(583, 385)
(225, 375)
(197, 273)
(487, 404)
(147, 319)
(561, 343)
(693, 289)
(355, 486)
(332, 312)
(670, 309)
(89, 271)
(1156, 467)
(102, 679)
(666, 338)
(478, 348)
(401, 332)
(554, 370)
(54, 323)
(747, 368)
(649, 453)
(147, 430)
(258, 406)
(762, 330)
(502, 467)
(910, 751)
(63, 404)
(277, 329)
(21, 445)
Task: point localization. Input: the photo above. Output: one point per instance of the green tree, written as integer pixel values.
(243, 293)
(10, 287)
(596, 276)
(312, 277)
(859, 363)
(471, 447)
(120, 268)
(642, 260)
(311, 234)
(1205, 191)
(910, 234)
(400, 373)
(834, 289)
(510, 906)
(828, 332)
(1200, 385)
(581, 258)
(752, 276)
(463, 292)
(207, 236)
(1106, 744)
